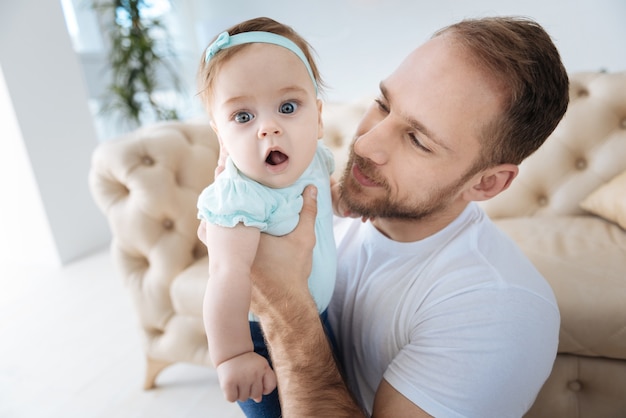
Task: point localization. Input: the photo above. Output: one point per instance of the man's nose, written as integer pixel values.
(374, 143)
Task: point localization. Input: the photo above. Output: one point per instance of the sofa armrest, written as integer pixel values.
(147, 183)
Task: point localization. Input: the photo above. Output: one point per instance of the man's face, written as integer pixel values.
(416, 147)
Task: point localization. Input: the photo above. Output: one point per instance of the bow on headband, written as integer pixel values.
(225, 41)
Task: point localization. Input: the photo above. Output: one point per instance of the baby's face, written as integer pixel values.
(265, 110)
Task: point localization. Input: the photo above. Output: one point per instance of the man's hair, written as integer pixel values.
(207, 71)
(521, 58)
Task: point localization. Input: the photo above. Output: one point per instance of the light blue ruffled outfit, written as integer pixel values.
(233, 198)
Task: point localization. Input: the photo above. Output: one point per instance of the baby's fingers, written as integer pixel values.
(256, 391)
(269, 382)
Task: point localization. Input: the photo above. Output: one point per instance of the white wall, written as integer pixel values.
(359, 42)
(22, 217)
(48, 114)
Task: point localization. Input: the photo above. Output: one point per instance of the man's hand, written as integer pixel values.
(303, 360)
(283, 264)
(302, 357)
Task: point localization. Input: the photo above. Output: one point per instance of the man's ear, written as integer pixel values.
(320, 122)
(491, 182)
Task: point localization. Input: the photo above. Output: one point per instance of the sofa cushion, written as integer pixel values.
(609, 200)
(584, 259)
(187, 291)
(582, 387)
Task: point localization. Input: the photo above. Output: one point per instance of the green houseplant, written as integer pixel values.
(139, 60)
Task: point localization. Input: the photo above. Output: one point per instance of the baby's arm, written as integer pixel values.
(242, 373)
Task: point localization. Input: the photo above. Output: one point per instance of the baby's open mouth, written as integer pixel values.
(276, 158)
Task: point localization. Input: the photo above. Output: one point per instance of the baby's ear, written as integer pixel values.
(217, 133)
(214, 127)
(320, 121)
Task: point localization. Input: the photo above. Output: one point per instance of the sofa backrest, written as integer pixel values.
(147, 184)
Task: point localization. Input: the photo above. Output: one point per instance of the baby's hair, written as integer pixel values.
(208, 70)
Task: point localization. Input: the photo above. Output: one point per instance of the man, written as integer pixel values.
(435, 311)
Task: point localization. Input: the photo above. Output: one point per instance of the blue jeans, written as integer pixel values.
(269, 407)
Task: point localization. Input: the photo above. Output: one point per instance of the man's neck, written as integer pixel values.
(411, 230)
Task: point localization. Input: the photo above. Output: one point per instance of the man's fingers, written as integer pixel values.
(285, 262)
(309, 210)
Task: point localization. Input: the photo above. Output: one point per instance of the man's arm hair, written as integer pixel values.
(309, 381)
(310, 384)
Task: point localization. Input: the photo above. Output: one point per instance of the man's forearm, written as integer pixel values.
(309, 381)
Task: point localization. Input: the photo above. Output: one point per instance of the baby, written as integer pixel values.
(259, 84)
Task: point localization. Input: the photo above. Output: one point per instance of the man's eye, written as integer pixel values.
(415, 140)
(243, 117)
(382, 106)
(288, 107)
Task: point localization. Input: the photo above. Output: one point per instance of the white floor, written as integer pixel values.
(69, 347)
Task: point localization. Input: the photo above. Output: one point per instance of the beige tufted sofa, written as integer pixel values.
(147, 181)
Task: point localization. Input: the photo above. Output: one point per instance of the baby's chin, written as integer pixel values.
(281, 179)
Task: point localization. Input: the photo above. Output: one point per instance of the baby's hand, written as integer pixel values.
(247, 376)
(339, 206)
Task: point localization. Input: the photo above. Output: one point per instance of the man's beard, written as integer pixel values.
(433, 201)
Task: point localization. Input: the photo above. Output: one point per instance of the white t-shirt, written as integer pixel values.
(460, 323)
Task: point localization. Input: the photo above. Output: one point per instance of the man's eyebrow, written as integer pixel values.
(412, 122)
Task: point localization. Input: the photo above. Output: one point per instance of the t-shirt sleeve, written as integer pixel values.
(228, 202)
(477, 354)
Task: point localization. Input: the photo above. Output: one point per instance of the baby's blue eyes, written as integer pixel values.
(288, 107)
(243, 117)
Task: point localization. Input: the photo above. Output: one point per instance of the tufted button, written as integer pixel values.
(199, 251)
(155, 332)
(337, 139)
(574, 385)
(168, 224)
(146, 160)
(582, 92)
(542, 200)
(581, 164)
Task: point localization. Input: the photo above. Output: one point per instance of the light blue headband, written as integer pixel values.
(225, 41)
